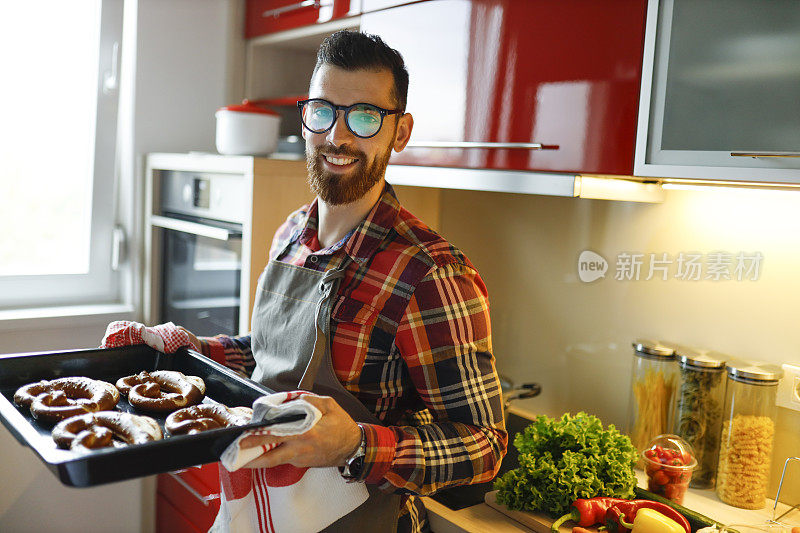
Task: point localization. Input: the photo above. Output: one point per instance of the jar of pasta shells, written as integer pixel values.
(698, 408)
(652, 397)
(748, 432)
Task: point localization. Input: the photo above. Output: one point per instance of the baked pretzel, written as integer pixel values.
(203, 417)
(162, 391)
(105, 429)
(51, 401)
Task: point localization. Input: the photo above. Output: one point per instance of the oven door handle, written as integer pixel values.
(184, 226)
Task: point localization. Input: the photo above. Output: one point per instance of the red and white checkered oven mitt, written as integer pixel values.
(279, 499)
(165, 338)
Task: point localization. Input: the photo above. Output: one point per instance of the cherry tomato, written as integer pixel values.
(672, 454)
(651, 468)
(675, 462)
(650, 454)
(660, 478)
(671, 491)
(680, 492)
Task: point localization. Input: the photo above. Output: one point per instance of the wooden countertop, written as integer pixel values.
(481, 518)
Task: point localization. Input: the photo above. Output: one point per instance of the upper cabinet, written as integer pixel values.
(527, 85)
(542, 85)
(721, 91)
(263, 17)
(375, 5)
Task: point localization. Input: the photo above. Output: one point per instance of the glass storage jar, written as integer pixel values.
(698, 408)
(748, 431)
(652, 392)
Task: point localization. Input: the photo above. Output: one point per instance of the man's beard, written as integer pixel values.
(339, 189)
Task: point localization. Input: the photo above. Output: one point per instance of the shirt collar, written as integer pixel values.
(361, 242)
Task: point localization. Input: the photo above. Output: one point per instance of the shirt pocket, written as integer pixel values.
(353, 339)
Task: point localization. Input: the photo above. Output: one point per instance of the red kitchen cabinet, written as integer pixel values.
(564, 74)
(375, 5)
(270, 16)
(189, 504)
(170, 519)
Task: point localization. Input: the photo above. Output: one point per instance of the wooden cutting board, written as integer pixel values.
(538, 522)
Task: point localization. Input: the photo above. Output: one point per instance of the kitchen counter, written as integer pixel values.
(482, 518)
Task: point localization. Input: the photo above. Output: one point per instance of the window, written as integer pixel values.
(57, 151)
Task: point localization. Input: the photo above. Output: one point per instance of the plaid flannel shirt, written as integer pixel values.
(411, 339)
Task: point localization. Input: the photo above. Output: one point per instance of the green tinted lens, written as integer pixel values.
(318, 116)
(364, 120)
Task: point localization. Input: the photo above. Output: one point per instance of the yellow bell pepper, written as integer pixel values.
(651, 521)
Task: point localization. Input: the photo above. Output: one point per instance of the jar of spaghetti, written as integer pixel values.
(748, 432)
(698, 408)
(652, 392)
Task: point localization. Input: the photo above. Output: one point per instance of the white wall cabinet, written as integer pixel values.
(721, 91)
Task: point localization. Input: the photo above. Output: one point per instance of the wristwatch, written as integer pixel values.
(354, 466)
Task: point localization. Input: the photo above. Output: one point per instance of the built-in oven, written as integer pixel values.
(196, 249)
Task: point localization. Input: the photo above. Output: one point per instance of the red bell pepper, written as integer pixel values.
(627, 512)
(587, 512)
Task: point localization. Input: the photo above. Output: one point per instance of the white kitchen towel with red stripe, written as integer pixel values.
(283, 499)
(165, 338)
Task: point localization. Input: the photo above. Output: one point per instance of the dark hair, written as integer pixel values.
(353, 50)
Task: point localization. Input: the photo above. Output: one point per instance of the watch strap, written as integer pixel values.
(354, 466)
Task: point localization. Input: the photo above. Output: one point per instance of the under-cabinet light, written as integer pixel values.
(676, 184)
(612, 188)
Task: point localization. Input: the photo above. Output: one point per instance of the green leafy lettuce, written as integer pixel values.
(564, 459)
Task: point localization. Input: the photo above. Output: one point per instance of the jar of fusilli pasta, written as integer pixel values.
(748, 432)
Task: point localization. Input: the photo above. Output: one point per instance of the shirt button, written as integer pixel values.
(313, 259)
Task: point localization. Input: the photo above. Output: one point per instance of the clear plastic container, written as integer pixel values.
(669, 462)
(698, 408)
(653, 385)
(748, 432)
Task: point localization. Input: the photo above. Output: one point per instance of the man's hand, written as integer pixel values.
(166, 338)
(330, 442)
(192, 337)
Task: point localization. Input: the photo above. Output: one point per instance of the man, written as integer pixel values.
(413, 401)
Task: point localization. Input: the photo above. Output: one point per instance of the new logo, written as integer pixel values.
(591, 266)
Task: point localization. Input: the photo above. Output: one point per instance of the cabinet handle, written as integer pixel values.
(278, 11)
(470, 144)
(184, 226)
(203, 499)
(765, 154)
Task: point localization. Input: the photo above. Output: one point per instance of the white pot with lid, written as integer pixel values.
(247, 129)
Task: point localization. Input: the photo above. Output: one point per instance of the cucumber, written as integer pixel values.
(696, 520)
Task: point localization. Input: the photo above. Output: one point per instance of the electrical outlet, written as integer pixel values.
(789, 388)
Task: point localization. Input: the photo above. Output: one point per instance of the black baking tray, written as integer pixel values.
(107, 465)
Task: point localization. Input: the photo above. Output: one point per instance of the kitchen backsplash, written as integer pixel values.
(725, 276)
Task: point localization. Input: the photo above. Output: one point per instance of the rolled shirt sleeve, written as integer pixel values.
(234, 352)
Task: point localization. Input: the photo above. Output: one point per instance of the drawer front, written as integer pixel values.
(198, 503)
(170, 520)
(206, 477)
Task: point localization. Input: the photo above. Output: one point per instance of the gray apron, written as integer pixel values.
(291, 347)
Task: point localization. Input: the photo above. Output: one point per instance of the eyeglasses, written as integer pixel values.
(363, 120)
